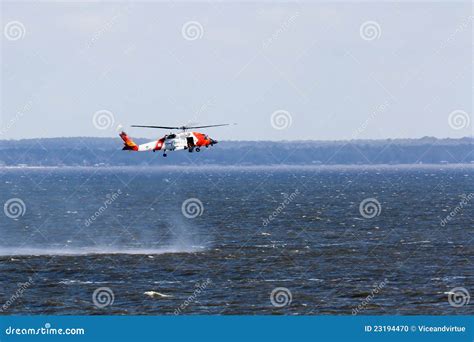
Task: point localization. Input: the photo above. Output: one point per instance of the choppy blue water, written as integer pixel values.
(258, 229)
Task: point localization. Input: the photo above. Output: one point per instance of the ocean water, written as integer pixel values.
(271, 240)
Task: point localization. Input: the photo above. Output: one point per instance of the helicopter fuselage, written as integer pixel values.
(191, 141)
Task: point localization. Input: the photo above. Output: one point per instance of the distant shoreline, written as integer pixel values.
(104, 152)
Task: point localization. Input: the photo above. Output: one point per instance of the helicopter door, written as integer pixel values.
(190, 142)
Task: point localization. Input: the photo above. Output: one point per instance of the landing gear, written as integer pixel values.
(164, 154)
(198, 149)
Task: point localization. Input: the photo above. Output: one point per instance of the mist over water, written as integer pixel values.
(25, 251)
(298, 228)
(64, 216)
(179, 239)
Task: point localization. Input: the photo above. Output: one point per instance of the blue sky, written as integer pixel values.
(282, 71)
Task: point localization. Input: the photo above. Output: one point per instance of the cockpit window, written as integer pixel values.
(171, 136)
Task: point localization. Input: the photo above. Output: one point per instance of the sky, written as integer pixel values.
(281, 71)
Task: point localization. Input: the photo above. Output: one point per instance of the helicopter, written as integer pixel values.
(184, 140)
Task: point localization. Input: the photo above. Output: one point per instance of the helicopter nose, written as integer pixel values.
(213, 142)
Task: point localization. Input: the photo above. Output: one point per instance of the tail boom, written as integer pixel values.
(129, 145)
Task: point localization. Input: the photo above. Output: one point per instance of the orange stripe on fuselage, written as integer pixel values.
(159, 144)
(201, 139)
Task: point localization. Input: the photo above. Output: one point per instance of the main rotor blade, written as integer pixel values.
(182, 127)
(207, 126)
(163, 127)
